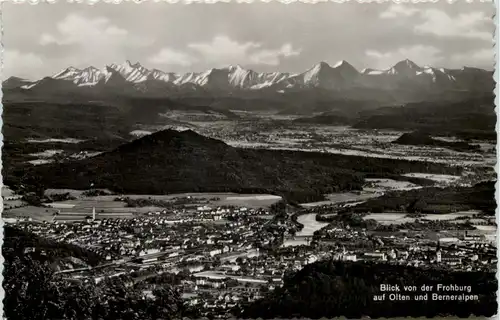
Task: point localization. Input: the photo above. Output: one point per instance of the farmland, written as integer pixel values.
(110, 206)
(388, 218)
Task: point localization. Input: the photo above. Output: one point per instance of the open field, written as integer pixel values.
(250, 200)
(74, 217)
(380, 185)
(440, 178)
(486, 228)
(72, 192)
(450, 216)
(67, 140)
(346, 198)
(106, 206)
(38, 162)
(224, 199)
(351, 196)
(36, 213)
(389, 218)
(9, 204)
(87, 203)
(46, 153)
(373, 188)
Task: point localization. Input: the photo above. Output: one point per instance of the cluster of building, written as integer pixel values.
(469, 252)
(143, 235)
(228, 255)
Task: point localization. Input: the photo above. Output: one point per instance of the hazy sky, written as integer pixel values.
(40, 40)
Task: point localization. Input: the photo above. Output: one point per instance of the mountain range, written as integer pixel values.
(128, 78)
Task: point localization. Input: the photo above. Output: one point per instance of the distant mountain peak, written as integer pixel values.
(90, 68)
(471, 69)
(188, 132)
(321, 65)
(342, 63)
(131, 72)
(14, 82)
(156, 74)
(235, 67)
(132, 65)
(319, 68)
(322, 75)
(181, 137)
(127, 65)
(346, 69)
(405, 67)
(109, 68)
(66, 72)
(14, 78)
(406, 63)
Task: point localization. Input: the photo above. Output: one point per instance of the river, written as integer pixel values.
(310, 226)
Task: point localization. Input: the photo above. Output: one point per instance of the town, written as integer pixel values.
(220, 256)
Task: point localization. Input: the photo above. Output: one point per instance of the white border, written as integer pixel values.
(91, 2)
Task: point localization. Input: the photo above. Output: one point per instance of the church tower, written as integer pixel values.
(438, 252)
(438, 256)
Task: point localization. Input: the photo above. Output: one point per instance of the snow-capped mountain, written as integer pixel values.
(131, 72)
(159, 75)
(89, 76)
(242, 78)
(249, 79)
(232, 77)
(269, 79)
(213, 79)
(322, 75)
(405, 68)
(189, 77)
(402, 69)
(436, 75)
(404, 75)
(407, 75)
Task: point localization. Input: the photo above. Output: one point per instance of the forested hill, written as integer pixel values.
(467, 119)
(434, 200)
(422, 139)
(17, 240)
(329, 289)
(33, 291)
(171, 161)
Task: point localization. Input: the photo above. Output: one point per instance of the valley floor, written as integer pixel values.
(229, 247)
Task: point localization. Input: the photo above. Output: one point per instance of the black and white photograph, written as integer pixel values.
(248, 160)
